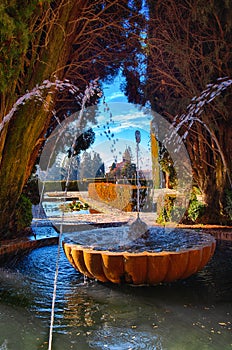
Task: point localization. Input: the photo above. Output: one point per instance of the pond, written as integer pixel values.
(192, 314)
(57, 208)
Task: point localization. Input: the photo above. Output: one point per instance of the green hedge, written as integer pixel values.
(57, 186)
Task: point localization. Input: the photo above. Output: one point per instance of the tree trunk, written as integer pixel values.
(209, 172)
(22, 137)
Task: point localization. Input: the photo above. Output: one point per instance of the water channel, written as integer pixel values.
(195, 313)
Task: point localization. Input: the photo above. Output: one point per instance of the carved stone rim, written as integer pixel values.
(145, 268)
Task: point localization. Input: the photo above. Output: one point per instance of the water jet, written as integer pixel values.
(138, 254)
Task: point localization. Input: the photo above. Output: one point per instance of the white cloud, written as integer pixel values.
(117, 96)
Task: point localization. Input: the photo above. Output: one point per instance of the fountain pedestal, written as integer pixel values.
(139, 268)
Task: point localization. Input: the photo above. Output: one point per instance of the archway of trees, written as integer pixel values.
(168, 57)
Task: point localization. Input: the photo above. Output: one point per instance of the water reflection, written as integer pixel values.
(57, 208)
(191, 314)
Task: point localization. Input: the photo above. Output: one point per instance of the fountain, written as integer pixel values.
(89, 315)
(138, 260)
(143, 261)
(138, 254)
(92, 315)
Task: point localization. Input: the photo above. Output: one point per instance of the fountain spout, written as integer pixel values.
(138, 228)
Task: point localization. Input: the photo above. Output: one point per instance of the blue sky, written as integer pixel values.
(120, 122)
(126, 119)
(112, 91)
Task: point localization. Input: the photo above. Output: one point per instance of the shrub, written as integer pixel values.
(23, 213)
(165, 212)
(177, 213)
(31, 190)
(196, 209)
(171, 210)
(228, 203)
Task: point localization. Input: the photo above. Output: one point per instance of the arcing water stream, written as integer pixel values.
(192, 314)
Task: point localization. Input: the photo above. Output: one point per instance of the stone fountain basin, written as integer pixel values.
(139, 268)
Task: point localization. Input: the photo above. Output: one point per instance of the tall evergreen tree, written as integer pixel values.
(98, 165)
(187, 46)
(77, 40)
(86, 170)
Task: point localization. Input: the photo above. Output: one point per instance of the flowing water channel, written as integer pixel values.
(195, 313)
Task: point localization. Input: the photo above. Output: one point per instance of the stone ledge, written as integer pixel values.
(9, 249)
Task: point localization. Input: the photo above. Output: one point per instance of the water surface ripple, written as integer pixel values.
(192, 314)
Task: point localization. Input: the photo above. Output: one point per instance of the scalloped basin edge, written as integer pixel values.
(145, 268)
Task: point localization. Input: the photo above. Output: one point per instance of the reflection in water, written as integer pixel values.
(192, 314)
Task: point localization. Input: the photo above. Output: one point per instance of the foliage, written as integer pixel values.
(15, 37)
(23, 213)
(127, 155)
(84, 141)
(73, 185)
(91, 166)
(166, 209)
(31, 190)
(188, 46)
(170, 211)
(72, 144)
(228, 203)
(108, 34)
(177, 213)
(190, 36)
(196, 209)
(166, 165)
(122, 197)
(128, 171)
(74, 206)
(125, 170)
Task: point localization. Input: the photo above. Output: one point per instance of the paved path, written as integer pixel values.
(110, 215)
(107, 215)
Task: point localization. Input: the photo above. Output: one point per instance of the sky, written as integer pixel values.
(117, 122)
(126, 119)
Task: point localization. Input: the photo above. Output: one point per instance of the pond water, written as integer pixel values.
(59, 208)
(192, 314)
(158, 239)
